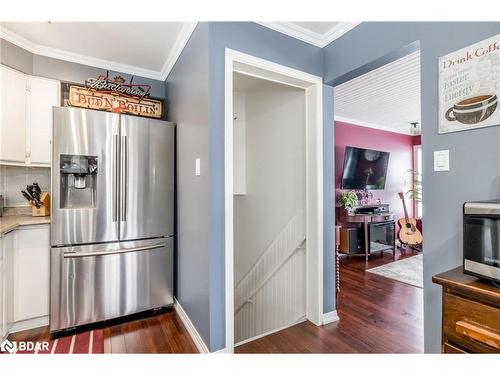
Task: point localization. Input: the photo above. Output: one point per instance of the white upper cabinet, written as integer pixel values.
(26, 127)
(44, 94)
(13, 116)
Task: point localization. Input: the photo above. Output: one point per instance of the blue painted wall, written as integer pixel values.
(474, 155)
(187, 92)
(261, 42)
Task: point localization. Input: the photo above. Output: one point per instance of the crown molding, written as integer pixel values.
(308, 36)
(370, 125)
(337, 31)
(16, 39)
(181, 41)
(37, 49)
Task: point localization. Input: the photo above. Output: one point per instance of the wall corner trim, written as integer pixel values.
(330, 317)
(181, 42)
(198, 341)
(320, 40)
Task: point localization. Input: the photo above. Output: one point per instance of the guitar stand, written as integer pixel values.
(418, 247)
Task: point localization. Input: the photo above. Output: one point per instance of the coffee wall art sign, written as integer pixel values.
(115, 95)
(469, 87)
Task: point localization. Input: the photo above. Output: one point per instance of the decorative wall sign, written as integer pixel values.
(86, 98)
(113, 95)
(469, 87)
(117, 86)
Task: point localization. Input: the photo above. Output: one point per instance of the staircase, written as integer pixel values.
(272, 295)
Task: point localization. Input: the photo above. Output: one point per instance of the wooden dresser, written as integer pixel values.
(471, 314)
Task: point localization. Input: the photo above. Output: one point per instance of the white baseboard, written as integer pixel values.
(270, 332)
(198, 341)
(24, 325)
(330, 317)
(220, 351)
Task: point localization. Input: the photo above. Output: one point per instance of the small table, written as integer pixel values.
(365, 220)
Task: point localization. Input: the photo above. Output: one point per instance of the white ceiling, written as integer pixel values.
(319, 34)
(148, 49)
(385, 98)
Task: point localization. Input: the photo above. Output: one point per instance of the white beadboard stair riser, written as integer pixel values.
(272, 295)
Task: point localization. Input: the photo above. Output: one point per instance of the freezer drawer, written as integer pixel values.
(99, 282)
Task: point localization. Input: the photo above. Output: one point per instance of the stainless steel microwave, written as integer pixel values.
(481, 232)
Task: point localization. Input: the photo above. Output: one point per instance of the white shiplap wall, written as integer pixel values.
(272, 295)
(280, 303)
(386, 98)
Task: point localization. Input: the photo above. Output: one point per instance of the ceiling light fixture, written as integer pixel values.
(414, 128)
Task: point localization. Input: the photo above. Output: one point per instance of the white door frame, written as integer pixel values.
(313, 86)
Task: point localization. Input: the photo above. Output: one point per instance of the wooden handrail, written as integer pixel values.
(266, 279)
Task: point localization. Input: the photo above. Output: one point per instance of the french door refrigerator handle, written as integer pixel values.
(71, 254)
(116, 158)
(124, 173)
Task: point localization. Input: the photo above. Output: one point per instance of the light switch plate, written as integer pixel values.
(442, 161)
(197, 167)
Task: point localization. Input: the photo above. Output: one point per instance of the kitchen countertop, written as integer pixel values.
(8, 223)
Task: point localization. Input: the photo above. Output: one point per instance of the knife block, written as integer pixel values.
(44, 209)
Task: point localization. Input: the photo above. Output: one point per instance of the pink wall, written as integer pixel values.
(400, 147)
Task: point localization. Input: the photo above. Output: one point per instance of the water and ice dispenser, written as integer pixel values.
(78, 184)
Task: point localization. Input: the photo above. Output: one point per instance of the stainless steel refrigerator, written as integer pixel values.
(112, 222)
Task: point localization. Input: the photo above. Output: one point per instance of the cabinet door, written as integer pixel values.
(1, 291)
(13, 116)
(8, 246)
(44, 94)
(31, 276)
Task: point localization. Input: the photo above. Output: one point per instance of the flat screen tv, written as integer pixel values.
(364, 169)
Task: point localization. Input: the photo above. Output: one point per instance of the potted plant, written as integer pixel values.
(416, 192)
(348, 200)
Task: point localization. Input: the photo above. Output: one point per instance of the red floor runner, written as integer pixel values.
(89, 342)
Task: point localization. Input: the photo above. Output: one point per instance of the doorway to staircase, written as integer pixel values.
(269, 206)
(273, 198)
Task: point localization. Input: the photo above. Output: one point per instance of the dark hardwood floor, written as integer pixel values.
(162, 333)
(377, 315)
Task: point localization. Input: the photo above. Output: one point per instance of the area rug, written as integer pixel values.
(408, 270)
(89, 342)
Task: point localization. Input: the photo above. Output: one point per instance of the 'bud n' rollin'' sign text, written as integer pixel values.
(115, 95)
